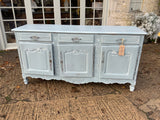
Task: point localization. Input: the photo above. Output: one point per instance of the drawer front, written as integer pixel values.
(75, 38)
(117, 39)
(34, 36)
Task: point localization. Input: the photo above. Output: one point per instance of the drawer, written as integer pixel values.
(34, 36)
(76, 38)
(118, 39)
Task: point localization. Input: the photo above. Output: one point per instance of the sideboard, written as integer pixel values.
(80, 54)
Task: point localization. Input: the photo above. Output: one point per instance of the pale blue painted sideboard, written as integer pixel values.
(80, 54)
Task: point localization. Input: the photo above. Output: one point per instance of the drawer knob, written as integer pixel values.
(121, 40)
(34, 37)
(76, 39)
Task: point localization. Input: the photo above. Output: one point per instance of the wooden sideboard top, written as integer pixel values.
(80, 29)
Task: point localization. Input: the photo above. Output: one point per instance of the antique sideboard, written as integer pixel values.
(80, 54)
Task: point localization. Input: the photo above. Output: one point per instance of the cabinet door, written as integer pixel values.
(37, 58)
(76, 60)
(118, 67)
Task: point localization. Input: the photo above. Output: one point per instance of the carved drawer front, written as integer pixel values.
(34, 36)
(76, 61)
(37, 58)
(114, 66)
(76, 38)
(117, 39)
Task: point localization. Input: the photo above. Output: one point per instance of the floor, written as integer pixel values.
(42, 99)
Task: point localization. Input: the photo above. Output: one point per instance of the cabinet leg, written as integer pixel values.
(132, 87)
(25, 80)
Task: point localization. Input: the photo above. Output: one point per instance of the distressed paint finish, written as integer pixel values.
(118, 67)
(37, 58)
(77, 60)
(80, 29)
(79, 54)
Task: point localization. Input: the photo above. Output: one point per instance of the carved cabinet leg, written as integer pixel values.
(25, 80)
(132, 87)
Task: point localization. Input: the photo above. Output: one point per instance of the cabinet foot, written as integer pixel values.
(132, 87)
(25, 80)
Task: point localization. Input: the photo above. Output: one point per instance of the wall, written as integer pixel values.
(119, 13)
(150, 6)
(1, 40)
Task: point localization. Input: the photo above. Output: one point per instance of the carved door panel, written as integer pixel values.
(76, 60)
(118, 67)
(37, 58)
